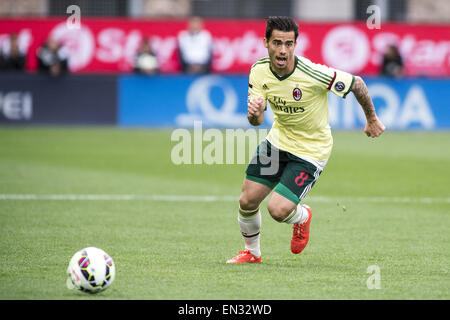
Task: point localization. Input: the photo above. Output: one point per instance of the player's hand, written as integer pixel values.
(374, 127)
(256, 107)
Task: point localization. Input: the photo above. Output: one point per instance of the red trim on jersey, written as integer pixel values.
(332, 80)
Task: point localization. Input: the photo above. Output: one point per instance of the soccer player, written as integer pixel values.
(296, 149)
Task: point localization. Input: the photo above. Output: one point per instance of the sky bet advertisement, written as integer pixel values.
(221, 101)
(108, 46)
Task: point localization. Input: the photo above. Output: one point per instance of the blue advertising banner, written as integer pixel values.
(221, 101)
(178, 101)
(401, 104)
(72, 99)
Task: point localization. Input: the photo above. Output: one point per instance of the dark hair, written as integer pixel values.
(281, 23)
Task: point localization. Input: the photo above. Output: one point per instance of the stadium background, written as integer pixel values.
(335, 34)
(77, 122)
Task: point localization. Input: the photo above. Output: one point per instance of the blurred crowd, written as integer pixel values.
(52, 57)
(195, 51)
(194, 45)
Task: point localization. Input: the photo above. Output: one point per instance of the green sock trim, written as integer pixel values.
(291, 215)
(247, 213)
(285, 192)
(265, 182)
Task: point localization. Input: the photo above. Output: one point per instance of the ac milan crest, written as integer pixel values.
(297, 94)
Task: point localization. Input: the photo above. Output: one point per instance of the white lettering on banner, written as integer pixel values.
(346, 48)
(394, 113)
(80, 44)
(389, 112)
(352, 113)
(426, 56)
(115, 46)
(223, 55)
(344, 113)
(201, 108)
(429, 53)
(16, 105)
(246, 49)
(416, 110)
(132, 44)
(349, 49)
(110, 45)
(164, 47)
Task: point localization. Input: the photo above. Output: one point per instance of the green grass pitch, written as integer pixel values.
(379, 202)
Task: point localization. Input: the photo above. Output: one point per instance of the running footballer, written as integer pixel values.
(294, 153)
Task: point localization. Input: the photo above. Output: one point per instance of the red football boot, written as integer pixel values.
(245, 256)
(300, 234)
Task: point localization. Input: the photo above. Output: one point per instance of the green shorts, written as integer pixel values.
(291, 176)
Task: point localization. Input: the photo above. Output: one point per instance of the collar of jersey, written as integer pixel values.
(286, 75)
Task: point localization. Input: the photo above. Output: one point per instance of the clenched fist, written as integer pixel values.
(256, 109)
(374, 127)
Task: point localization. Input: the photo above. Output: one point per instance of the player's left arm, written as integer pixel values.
(374, 127)
(341, 83)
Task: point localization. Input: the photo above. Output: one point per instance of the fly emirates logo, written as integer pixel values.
(281, 105)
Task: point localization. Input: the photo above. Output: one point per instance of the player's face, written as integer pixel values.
(281, 47)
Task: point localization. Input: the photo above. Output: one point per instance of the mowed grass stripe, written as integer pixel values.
(206, 198)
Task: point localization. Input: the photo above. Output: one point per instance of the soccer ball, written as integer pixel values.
(90, 270)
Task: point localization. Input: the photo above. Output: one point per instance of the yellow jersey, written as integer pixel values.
(299, 101)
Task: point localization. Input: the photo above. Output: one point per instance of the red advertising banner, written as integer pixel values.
(109, 45)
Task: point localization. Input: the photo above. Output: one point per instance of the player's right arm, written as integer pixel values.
(255, 113)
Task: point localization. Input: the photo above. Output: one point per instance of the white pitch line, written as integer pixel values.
(188, 198)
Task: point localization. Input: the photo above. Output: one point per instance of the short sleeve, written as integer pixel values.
(254, 86)
(342, 83)
(334, 80)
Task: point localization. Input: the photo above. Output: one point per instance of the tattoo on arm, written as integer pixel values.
(361, 93)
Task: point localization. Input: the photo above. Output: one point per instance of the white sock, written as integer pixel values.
(250, 225)
(297, 216)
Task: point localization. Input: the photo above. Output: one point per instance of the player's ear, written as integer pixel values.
(266, 42)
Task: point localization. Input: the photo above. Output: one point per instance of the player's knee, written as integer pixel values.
(246, 203)
(280, 210)
(277, 212)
